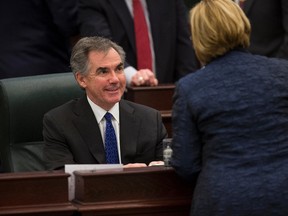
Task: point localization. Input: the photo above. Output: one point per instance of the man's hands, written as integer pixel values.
(153, 163)
(144, 77)
(131, 165)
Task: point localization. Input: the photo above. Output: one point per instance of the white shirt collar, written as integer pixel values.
(100, 112)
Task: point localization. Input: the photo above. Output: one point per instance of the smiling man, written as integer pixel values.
(75, 132)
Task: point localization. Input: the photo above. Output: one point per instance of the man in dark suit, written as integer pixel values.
(74, 132)
(169, 33)
(269, 22)
(36, 36)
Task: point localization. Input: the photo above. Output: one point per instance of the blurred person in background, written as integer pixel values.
(269, 26)
(171, 55)
(36, 36)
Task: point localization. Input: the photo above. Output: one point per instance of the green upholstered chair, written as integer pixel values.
(23, 102)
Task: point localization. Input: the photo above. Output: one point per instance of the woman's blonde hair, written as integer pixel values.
(218, 26)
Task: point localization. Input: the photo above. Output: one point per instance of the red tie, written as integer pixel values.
(144, 56)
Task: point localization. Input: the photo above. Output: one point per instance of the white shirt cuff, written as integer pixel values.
(129, 73)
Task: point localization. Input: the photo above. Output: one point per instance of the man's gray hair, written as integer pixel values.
(79, 56)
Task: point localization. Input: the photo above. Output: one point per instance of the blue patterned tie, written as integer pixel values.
(110, 142)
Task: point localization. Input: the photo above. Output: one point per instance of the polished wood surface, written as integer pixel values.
(158, 97)
(35, 193)
(155, 191)
(135, 191)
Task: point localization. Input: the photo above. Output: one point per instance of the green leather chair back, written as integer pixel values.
(23, 103)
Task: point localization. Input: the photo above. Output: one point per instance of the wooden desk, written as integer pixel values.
(158, 97)
(35, 193)
(134, 191)
(155, 191)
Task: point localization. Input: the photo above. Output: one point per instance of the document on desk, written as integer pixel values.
(70, 168)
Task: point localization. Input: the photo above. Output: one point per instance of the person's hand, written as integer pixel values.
(144, 77)
(132, 165)
(156, 163)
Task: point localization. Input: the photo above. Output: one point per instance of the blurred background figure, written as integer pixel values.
(269, 23)
(36, 36)
(169, 45)
(230, 119)
(191, 3)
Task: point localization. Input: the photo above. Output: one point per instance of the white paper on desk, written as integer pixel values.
(70, 168)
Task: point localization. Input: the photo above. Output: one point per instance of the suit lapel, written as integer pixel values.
(88, 128)
(124, 15)
(129, 130)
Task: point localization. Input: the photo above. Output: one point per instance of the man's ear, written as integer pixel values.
(81, 80)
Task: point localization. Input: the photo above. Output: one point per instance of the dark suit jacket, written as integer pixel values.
(72, 135)
(169, 26)
(35, 36)
(269, 21)
(230, 123)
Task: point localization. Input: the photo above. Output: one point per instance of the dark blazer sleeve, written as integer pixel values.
(142, 132)
(269, 22)
(64, 15)
(173, 48)
(56, 151)
(92, 18)
(186, 144)
(186, 60)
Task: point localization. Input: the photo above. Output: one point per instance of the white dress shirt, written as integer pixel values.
(99, 115)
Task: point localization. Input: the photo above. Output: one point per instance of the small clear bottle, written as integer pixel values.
(167, 152)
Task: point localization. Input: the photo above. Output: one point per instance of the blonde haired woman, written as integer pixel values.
(230, 119)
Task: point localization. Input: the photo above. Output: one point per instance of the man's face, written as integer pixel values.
(105, 82)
